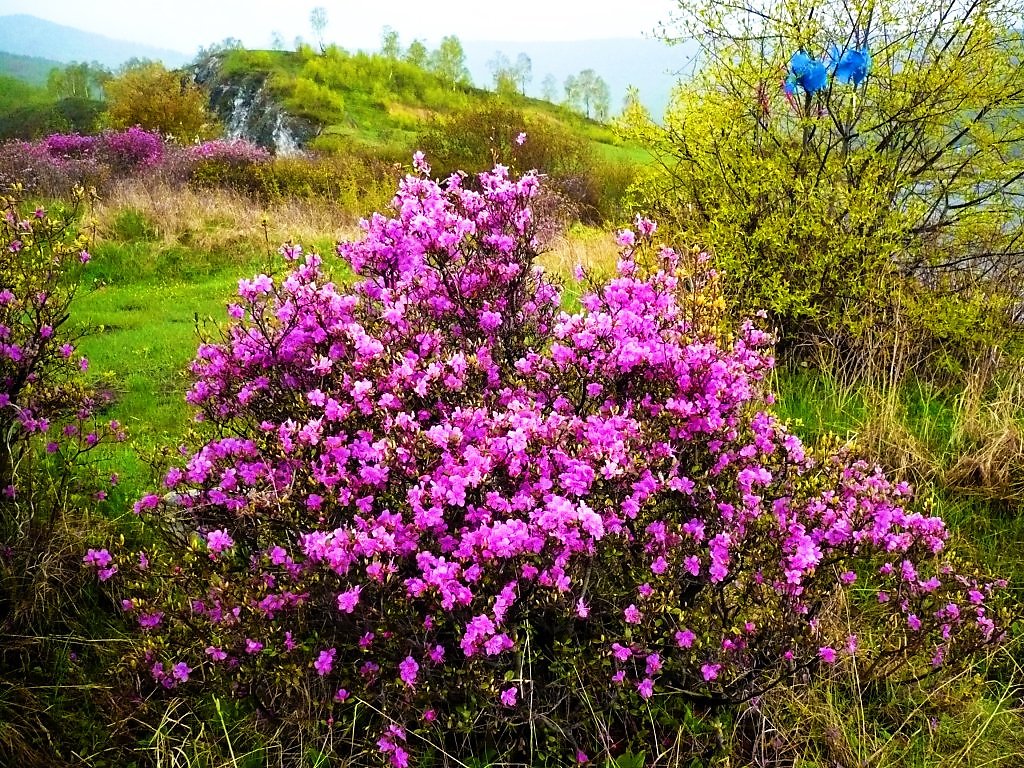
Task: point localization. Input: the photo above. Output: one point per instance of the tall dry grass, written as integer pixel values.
(216, 219)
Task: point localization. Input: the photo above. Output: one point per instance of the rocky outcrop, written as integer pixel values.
(248, 110)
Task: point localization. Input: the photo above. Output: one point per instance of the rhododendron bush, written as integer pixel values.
(433, 503)
(49, 421)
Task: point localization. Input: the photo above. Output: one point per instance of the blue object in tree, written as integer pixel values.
(853, 66)
(810, 74)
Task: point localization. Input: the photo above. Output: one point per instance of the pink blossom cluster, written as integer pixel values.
(424, 477)
(229, 151)
(130, 149)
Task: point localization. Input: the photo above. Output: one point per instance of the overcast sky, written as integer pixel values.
(185, 25)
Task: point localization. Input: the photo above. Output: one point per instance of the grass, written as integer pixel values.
(164, 269)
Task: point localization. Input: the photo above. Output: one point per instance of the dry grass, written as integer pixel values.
(961, 721)
(989, 440)
(216, 219)
(593, 249)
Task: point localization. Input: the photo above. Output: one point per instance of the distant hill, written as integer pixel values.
(29, 69)
(651, 65)
(30, 36)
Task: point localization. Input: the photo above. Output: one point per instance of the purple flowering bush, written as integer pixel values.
(48, 419)
(133, 149)
(434, 506)
(54, 166)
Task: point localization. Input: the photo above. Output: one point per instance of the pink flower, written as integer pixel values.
(349, 599)
(408, 671)
(710, 671)
(632, 614)
(685, 638)
(645, 688)
(827, 654)
(509, 696)
(325, 661)
(218, 541)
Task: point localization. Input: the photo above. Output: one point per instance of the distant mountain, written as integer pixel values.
(30, 69)
(651, 65)
(30, 36)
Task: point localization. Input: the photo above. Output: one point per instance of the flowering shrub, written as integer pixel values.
(434, 503)
(54, 166)
(47, 418)
(67, 146)
(52, 174)
(233, 151)
(133, 149)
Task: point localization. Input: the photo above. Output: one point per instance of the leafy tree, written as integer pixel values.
(861, 198)
(390, 47)
(417, 54)
(160, 100)
(588, 93)
(523, 72)
(549, 88)
(449, 62)
(78, 80)
(318, 21)
(277, 41)
(503, 74)
(633, 110)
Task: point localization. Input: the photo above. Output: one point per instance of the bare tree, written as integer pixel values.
(318, 21)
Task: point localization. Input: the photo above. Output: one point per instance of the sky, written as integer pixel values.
(185, 25)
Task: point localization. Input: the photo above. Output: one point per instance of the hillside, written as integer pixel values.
(341, 100)
(26, 35)
(29, 69)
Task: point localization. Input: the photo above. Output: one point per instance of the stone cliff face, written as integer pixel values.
(248, 110)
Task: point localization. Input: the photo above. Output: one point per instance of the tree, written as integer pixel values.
(549, 88)
(276, 41)
(503, 74)
(523, 72)
(78, 80)
(318, 21)
(417, 54)
(150, 96)
(390, 48)
(449, 62)
(633, 109)
(572, 93)
(860, 189)
(588, 93)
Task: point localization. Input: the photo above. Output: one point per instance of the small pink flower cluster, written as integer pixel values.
(430, 470)
(237, 151)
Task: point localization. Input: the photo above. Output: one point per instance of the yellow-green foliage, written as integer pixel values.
(316, 99)
(488, 132)
(158, 100)
(352, 182)
(885, 205)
